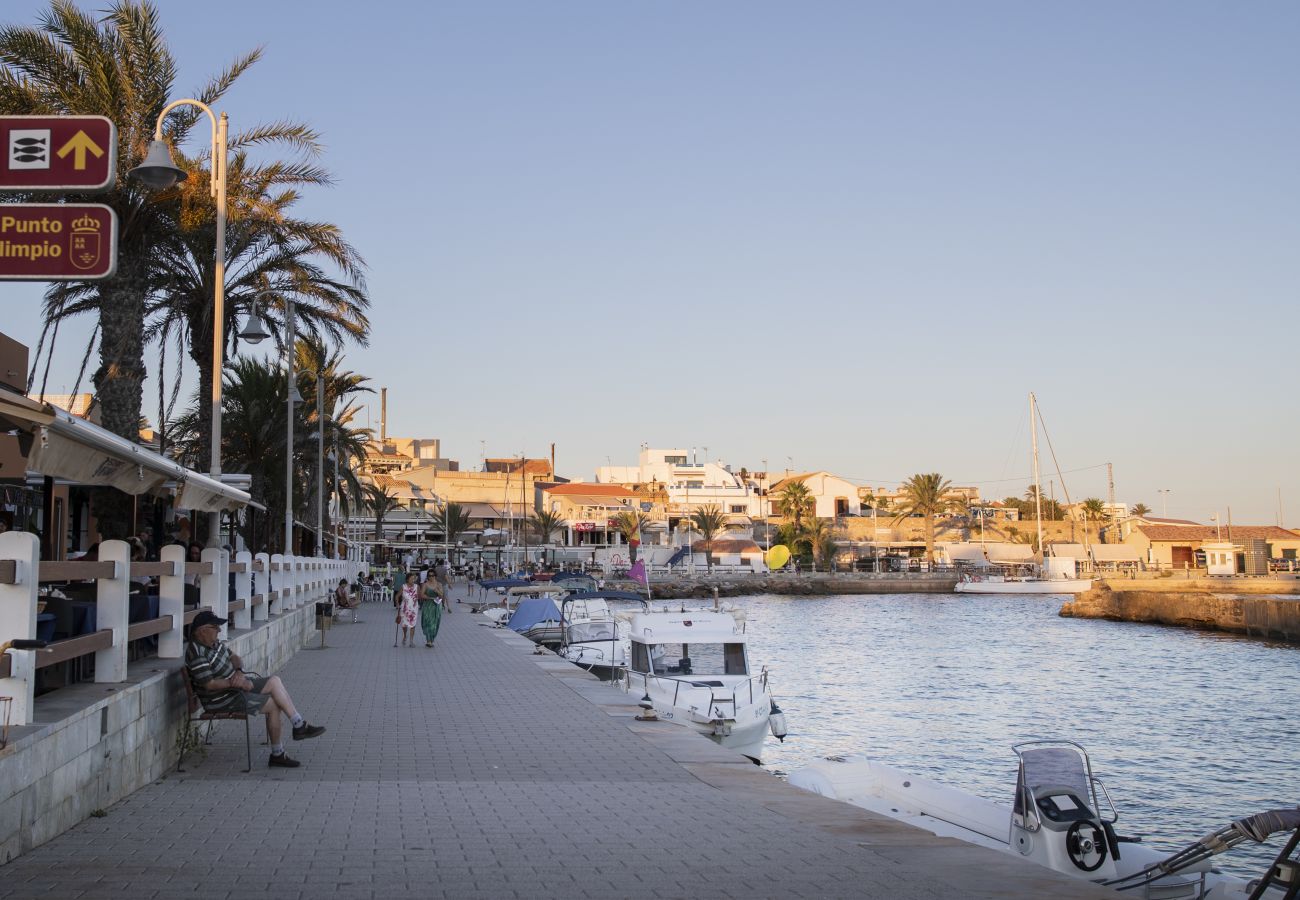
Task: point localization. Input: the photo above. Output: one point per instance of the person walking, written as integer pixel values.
(408, 604)
(431, 604)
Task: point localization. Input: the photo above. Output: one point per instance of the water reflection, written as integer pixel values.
(1188, 729)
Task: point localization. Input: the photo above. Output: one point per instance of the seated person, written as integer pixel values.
(222, 686)
(343, 598)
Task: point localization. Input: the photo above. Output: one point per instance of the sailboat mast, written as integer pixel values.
(1038, 486)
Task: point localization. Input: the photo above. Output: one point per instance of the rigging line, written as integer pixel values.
(1052, 451)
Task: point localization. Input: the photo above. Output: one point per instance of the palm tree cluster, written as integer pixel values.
(118, 65)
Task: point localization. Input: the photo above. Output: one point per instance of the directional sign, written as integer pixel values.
(57, 241)
(57, 153)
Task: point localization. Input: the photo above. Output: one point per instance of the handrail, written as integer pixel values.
(198, 568)
(148, 628)
(76, 570)
(62, 651)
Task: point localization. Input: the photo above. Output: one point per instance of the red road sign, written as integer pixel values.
(57, 153)
(57, 241)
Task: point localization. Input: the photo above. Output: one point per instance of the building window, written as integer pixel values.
(737, 508)
(675, 460)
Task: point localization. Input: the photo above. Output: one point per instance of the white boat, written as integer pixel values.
(592, 638)
(1048, 576)
(973, 583)
(692, 668)
(1056, 820)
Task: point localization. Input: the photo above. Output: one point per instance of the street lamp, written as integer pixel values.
(1164, 501)
(158, 173)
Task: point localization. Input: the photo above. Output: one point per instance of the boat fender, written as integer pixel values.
(776, 722)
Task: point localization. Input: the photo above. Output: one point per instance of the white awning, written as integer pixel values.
(1009, 553)
(1116, 553)
(64, 446)
(1072, 551)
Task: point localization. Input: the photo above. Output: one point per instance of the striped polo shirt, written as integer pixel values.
(205, 664)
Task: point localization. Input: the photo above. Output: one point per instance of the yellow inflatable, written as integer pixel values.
(778, 556)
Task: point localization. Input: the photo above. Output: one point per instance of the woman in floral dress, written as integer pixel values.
(408, 609)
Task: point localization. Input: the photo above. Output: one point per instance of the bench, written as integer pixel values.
(192, 705)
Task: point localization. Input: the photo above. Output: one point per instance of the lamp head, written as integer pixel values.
(158, 172)
(255, 330)
(294, 396)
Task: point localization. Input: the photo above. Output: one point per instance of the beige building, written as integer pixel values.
(1175, 546)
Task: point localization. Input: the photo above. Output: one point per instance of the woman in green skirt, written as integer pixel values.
(430, 610)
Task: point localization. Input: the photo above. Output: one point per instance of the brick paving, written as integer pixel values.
(478, 770)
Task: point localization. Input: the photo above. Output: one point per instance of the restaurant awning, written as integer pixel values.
(64, 446)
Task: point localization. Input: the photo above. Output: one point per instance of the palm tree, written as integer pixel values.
(819, 536)
(271, 258)
(453, 520)
(709, 521)
(118, 66)
(796, 502)
(1141, 509)
(545, 524)
(924, 495)
(381, 503)
(629, 523)
(1094, 510)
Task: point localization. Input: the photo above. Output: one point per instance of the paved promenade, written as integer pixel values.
(478, 770)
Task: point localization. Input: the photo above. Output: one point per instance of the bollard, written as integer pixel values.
(324, 619)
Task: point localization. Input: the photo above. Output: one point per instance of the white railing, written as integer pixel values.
(284, 583)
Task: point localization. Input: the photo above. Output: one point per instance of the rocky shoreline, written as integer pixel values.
(1269, 617)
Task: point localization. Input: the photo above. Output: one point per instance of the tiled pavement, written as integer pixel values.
(478, 770)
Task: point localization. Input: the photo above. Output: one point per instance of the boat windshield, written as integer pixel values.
(1052, 766)
(592, 631)
(691, 659)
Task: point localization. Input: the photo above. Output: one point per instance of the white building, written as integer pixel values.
(690, 484)
(835, 497)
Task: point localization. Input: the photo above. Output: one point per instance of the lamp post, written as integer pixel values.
(158, 172)
(1164, 501)
(291, 398)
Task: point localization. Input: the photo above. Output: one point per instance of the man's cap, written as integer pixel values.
(207, 617)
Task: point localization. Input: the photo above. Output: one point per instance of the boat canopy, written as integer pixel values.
(504, 583)
(532, 611)
(690, 627)
(627, 596)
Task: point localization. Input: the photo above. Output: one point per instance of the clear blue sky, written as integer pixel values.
(851, 234)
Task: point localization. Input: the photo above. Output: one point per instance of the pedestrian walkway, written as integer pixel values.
(479, 770)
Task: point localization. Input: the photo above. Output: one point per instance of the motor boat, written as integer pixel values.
(592, 638)
(1057, 820)
(691, 668)
(1007, 583)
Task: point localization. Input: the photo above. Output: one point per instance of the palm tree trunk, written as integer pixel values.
(929, 540)
(119, 380)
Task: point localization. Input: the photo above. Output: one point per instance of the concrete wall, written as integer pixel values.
(1270, 617)
(55, 777)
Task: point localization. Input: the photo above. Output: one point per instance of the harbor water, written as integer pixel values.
(1187, 729)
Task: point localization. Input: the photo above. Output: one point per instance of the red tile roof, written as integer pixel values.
(1207, 533)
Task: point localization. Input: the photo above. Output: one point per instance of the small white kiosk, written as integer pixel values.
(1220, 558)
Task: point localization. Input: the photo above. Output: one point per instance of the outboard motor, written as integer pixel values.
(1054, 821)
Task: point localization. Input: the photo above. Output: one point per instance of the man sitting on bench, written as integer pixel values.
(221, 686)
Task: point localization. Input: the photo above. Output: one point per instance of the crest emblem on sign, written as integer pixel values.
(84, 243)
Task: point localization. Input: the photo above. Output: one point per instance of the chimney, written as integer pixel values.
(552, 460)
(383, 415)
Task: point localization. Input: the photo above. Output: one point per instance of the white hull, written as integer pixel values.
(744, 733)
(1027, 586)
(949, 812)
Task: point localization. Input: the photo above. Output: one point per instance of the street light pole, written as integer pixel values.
(291, 394)
(159, 172)
(320, 465)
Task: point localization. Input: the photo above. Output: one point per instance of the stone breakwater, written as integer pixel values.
(1274, 617)
(811, 584)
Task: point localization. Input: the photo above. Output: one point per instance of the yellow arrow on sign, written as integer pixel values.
(77, 145)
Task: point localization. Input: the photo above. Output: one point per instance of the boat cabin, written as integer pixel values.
(695, 644)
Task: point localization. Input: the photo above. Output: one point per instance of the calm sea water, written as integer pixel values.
(1187, 729)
